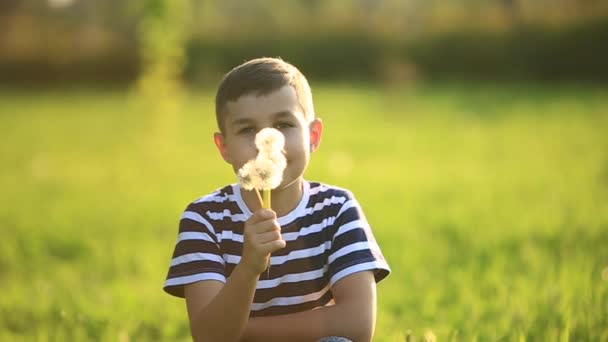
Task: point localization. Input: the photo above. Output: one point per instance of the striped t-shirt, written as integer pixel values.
(327, 239)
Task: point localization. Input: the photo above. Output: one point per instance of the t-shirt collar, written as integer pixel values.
(283, 220)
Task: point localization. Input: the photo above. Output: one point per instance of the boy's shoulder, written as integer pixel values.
(324, 190)
(322, 195)
(217, 198)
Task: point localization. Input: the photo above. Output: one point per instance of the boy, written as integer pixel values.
(324, 259)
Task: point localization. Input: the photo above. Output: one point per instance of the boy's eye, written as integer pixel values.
(246, 130)
(283, 125)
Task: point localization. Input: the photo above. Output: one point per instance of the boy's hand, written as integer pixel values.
(262, 237)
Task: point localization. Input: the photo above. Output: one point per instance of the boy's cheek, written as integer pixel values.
(296, 142)
(245, 151)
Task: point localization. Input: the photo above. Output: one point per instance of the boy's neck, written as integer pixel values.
(283, 200)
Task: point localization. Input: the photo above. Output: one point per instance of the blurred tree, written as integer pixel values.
(511, 8)
(8, 6)
(163, 28)
(119, 41)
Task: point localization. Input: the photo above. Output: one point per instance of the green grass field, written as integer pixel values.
(490, 204)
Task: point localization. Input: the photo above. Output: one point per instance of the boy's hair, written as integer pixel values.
(262, 76)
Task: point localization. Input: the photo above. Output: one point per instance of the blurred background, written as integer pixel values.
(472, 132)
(389, 40)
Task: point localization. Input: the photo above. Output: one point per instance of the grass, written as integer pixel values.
(489, 202)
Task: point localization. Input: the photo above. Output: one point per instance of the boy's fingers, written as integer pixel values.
(273, 246)
(276, 245)
(265, 214)
(264, 226)
(269, 236)
(262, 215)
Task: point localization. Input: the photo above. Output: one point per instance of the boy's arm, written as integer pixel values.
(219, 312)
(353, 316)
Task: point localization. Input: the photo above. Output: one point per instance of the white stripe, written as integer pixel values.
(291, 236)
(292, 278)
(218, 216)
(359, 246)
(194, 236)
(372, 265)
(196, 257)
(350, 226)
(299, 254)
(326, 203)
(231, 258)
(314, 228)
(230, 235)
(283, 301)
(317, 227)
(324, 188)
(195, 277)
(318, 189)
(347, 205)
(194, 216)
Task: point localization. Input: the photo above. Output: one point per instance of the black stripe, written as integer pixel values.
(189, 225)
(328, 210)
(293, 266)
(352, 236)
(195, 246)
(349, 215)
(211, 204)
(352, 258)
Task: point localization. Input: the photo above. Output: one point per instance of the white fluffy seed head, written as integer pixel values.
(266, 170)
(247, 177)
(269, 141)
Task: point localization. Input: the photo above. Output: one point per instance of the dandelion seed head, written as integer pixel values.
(266, 170)
(247, 175)
(269, 174)
(278, 159)
(269, 141)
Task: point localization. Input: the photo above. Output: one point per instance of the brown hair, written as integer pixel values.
(262, 76)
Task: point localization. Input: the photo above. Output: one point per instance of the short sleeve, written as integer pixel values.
(196, 255)
(354, 248)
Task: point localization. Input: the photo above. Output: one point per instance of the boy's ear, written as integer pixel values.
(316, 133)
(218, 138)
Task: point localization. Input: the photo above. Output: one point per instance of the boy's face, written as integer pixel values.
(279, 109)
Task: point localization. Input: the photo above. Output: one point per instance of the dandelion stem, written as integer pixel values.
(267, 205)
(266, 195)
(257, 192)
